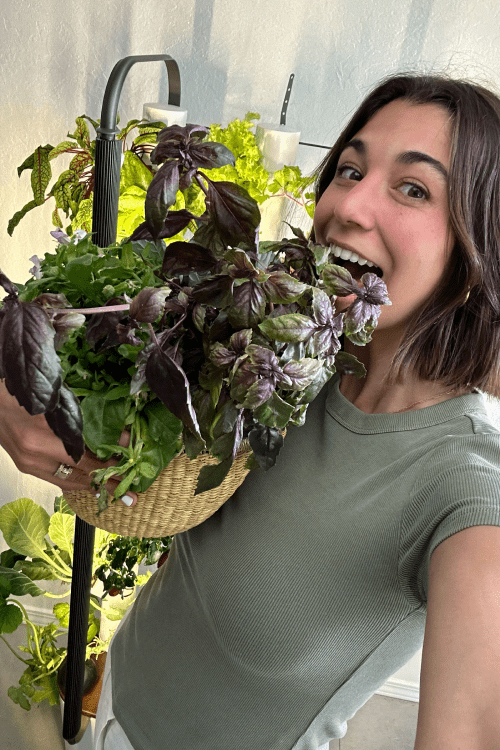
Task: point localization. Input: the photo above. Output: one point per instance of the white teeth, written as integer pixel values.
(339, 252)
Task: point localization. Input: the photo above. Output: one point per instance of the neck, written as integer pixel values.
(375, 394)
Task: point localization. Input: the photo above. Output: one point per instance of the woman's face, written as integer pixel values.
(388, 204)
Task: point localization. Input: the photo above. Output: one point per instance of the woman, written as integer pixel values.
(278, 617)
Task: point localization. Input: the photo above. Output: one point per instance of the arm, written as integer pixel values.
(460, 676)
(35, 449)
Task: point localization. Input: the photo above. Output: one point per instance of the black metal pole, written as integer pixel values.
(104, 219)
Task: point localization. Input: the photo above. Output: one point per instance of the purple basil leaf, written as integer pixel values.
(209, 236)
(7, 284)
(348, 364)
(221, 356)
(266, 443)
(338, 281)
(2, 315)
(258, 393)
(184, 257)
(241, 381)
(164, 151)
(233, 212)
(174, 223)
(302, 372)
(161, 194)
(248, 306)
(31, 367)
(275, 412)
(64, 323)
(322, 307)
(240, 340)
(102, 324)
(210, 155)
(149, 304)
(51, 301)
(125, 335)
(298, 232)
(215, 291)
(66, 422)
(186, 178)
(374, 290)
(213, 475)
(281, 288)
(181, 133)
(167, 379)
(289, 328)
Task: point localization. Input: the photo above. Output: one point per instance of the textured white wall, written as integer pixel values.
(234, 56)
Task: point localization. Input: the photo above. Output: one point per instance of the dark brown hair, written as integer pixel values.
(454, 337)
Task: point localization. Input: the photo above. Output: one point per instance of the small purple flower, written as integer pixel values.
(61, 237)
(36, 271)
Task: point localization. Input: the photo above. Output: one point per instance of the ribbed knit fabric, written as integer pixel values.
(277, 618)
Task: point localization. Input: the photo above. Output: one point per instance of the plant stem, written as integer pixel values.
(24, 661)
(200, 183)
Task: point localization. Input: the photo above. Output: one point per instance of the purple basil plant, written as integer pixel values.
(195, 345)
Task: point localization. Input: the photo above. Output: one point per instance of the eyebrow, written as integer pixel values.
(407, 157)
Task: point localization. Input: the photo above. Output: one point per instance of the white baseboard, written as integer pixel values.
(39, 615)
(394, 688)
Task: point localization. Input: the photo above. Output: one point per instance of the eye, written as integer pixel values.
(349, 173)
(412, 190)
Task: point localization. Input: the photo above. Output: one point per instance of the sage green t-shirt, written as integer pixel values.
(277, 618)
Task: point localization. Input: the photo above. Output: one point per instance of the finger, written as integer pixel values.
(124, 439)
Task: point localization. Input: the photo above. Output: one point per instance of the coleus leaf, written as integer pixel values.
(266, 443)
(167, 379)
(66, 421)
(41, 174)
(233, 212)
(30, 364)
(161, 194)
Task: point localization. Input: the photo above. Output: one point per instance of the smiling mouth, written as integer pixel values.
(356, 265)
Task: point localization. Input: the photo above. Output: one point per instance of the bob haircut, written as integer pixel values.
(454, 337)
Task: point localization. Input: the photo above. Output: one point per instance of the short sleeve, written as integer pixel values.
(459, 488)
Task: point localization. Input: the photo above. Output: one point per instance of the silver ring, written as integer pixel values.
(63, 471)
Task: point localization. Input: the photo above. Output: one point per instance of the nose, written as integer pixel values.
(358, 205)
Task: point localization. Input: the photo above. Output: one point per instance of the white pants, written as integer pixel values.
(109, 735)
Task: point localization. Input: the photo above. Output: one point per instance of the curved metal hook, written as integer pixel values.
(108, 127)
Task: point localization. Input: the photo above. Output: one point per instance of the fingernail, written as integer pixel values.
(127, 500)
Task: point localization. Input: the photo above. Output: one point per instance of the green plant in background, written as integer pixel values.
(72, 190)
(41, 548)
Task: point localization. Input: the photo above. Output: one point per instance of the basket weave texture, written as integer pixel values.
(169, 505)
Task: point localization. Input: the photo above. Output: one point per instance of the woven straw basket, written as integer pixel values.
(169, 505)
